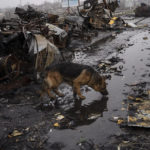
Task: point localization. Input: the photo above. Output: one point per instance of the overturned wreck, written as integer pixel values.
(33, 50)
(143, 10)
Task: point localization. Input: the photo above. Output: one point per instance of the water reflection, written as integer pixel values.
(87, 114)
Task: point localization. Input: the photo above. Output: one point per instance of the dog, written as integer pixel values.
(75, 75)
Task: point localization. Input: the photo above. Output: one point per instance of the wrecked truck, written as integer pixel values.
(25, 49)
(142, 11)
(97, 15)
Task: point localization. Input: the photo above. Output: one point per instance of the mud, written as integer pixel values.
(87, 124)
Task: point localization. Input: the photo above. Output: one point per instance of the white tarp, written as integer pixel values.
(46, 52)
(58, 31)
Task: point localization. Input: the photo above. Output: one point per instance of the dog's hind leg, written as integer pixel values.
(58, 93)
(48, 87)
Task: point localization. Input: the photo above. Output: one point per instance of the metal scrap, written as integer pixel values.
(31, 41)
(9, 67)
(97, 15)
(31, 14)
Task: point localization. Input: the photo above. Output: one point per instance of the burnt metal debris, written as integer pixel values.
(31, 13)
(97, 14)
(29, 41)
(143, 10)
(35, 38)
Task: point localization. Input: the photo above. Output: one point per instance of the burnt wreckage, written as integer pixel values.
(97, 15)
(35, 38)
(142, 11)
(31, 40)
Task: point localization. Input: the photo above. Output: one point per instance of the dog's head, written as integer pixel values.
(99, 84)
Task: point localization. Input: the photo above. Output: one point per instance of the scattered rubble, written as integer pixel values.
(138, 106)
(108, 66)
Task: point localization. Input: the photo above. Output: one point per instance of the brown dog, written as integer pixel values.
(74, 74)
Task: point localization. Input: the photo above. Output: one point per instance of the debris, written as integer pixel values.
(31, 14)
(15, 133)
(18, 61)
(132, 119)
(107, 66)
(145, 38)
(46, 53)
(123, 109)
(116, 22)
(60, 117)
(96, 14)
(131, 98)
(59, 35)
(71, 124)
(112, 21)
(139, 99)
(27, 129)
(94, 116)
(115, 118)
(138, 106)
(56, 125)
(130, 24)
(30, 44)
(120, 121)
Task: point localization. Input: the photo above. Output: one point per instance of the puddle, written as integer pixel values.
(86, 114)
(93, 114)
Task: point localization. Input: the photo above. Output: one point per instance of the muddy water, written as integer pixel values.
(94, 114)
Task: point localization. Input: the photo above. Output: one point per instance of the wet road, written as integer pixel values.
(92, 118)
(136, 56)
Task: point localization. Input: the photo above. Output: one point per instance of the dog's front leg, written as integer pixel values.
(58, 93)
(77, 91)
(74, 93)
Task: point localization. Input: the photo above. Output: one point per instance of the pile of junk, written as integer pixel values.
(35, 39)
(100, 15)
(30, 42)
